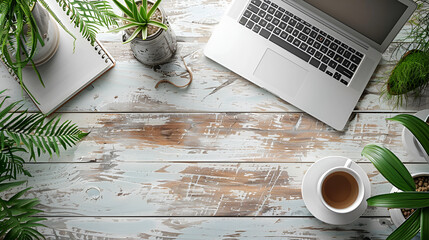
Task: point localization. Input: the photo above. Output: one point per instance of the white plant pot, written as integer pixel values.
(50, 33)
(396, 213)
(411, 144)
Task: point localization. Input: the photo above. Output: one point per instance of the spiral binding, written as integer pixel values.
(102, 53)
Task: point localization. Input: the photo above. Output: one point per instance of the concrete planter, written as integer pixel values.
(158, 48)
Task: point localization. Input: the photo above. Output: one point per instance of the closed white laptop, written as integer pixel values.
(316, 54)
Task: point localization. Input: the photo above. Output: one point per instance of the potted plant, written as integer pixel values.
(22, 133)
(413, 195)
(410, 76)
(147, 30)
(29, 30)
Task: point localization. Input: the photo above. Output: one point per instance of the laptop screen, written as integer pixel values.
(374, 19)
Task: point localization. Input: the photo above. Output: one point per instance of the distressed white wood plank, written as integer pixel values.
(213, 228)
(226, 137)
(129, 87)
(179, 189)
(195, 20)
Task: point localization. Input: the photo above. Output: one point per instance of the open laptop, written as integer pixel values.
(316, 54)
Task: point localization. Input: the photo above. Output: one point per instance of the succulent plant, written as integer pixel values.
(138, 18)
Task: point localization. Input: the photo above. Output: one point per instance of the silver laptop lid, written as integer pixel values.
(375, 22)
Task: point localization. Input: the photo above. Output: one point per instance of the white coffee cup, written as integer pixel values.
(346, 168)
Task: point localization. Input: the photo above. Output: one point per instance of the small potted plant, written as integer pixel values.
(29, 30)
(413, 202)
(410, 76)
(147, 30)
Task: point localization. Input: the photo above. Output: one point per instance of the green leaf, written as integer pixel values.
(417, 127)
(424, 223)
(30, 130)
(390, 167)
(158, 24)
(144, 32)
(17, 215)
(9, 185)
(143, 10)
(400, 200)
(135, 11)
(123, 8)
(408, 229)
(153, 8)
(52, 13)
(134, 35)
(130, 20)
(89, 15)
(126, 27)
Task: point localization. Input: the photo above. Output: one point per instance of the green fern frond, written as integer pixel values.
(11, 163)
(89, 15)
(21, 132)
(17, 214)
(34, 133)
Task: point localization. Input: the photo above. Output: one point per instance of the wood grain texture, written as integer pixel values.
(226, 137)
(214, 228)
(129, 87)
(180, 189)
(222, 159)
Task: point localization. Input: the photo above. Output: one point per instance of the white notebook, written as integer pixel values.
(67, 72)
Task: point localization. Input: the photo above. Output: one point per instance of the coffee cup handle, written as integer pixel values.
(348, 163)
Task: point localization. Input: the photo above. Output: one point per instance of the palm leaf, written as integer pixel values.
(400, 200)
(417, 127)
(16, 214)
(11, 163)
(32, 133)
(89, 15)
(390, 167)
(9, 185)
(408, 229)
(424, 223)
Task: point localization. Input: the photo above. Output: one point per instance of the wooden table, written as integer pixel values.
(222, 159)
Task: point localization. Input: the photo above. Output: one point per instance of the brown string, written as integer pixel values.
(168, 81)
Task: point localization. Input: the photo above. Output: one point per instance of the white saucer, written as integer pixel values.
(312, 200)
(408, 139)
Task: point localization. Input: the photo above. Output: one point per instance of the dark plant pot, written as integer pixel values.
(158, 48)
(410, 73)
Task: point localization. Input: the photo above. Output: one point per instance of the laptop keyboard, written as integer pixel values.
(300, 38)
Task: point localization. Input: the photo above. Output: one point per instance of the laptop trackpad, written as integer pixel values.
(281, 73)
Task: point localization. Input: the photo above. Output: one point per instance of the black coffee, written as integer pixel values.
(340, 190)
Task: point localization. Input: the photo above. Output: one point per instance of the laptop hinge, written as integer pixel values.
(324, 23)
